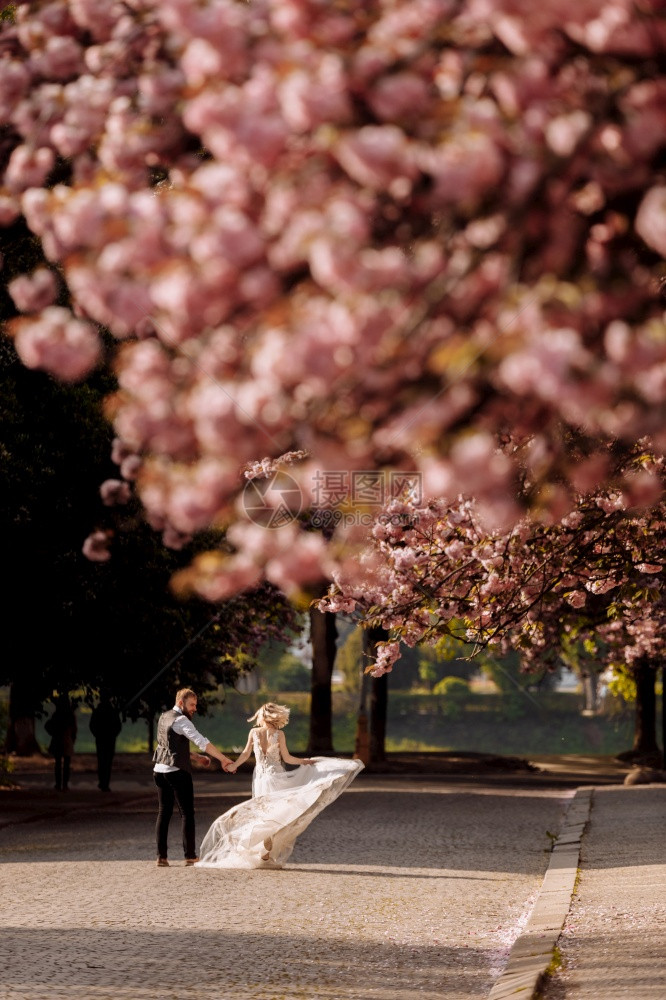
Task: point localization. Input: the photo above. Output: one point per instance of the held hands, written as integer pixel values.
(230, 768)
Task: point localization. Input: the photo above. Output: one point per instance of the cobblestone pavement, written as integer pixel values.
(403, 888)
(613, 941)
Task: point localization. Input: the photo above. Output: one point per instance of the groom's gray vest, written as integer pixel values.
(172, 748)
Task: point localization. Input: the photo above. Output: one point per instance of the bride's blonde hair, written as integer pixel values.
(274, 715)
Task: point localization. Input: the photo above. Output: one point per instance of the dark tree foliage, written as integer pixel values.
(71, 624)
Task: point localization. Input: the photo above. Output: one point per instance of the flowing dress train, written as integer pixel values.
(261, 832)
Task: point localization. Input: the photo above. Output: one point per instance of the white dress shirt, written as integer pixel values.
(184, 727)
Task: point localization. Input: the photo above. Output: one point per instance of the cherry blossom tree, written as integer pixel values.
(377, 231)
(595, 576)
(436, 570)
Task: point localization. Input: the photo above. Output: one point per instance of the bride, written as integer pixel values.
(261, 832)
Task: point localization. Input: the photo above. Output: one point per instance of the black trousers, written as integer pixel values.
(175, 786)
(105, 753)
(62, 768)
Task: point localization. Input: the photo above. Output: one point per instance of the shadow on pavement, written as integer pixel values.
(368, 826)
(230, 965)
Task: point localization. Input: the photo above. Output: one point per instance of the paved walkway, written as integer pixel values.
(404, 888)
(614, 938)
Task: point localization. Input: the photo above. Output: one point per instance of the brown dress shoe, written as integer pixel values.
(190, 861)
(162, 863)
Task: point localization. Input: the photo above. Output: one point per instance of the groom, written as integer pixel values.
(173, 771)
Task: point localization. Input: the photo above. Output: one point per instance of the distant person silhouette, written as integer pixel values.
(61, 727)
(105, 725)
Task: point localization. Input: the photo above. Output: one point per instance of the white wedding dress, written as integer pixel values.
(261, 832)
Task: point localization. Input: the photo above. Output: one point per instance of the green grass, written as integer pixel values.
(490, 724)
(556, 963)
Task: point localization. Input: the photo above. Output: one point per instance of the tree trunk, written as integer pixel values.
(645, 746)
(663, 716)
(591, 691)
(21, 738)
(645, 737)
(378, 696)
(323, 633)
(378, 708)
(362, 741)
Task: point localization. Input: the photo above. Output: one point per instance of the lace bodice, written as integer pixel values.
(271, 760)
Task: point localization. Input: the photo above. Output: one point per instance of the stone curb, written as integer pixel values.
(532, 951)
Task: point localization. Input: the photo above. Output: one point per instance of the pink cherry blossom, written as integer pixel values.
(119, 451)
(564, 132)
(651, 219)
(60, 59)
(32, 293)
(387, 654)
(114, 491)
(600, 586)
(174, 539)
(130, 466)
(455, 550)
(398, 234)
(96, 546)
(56, 342)
(310, 97)
(217, 577)
(9, 210)
(400, 96)
(378, 156)
(517, 589)
(28, 167)
(300, 563)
